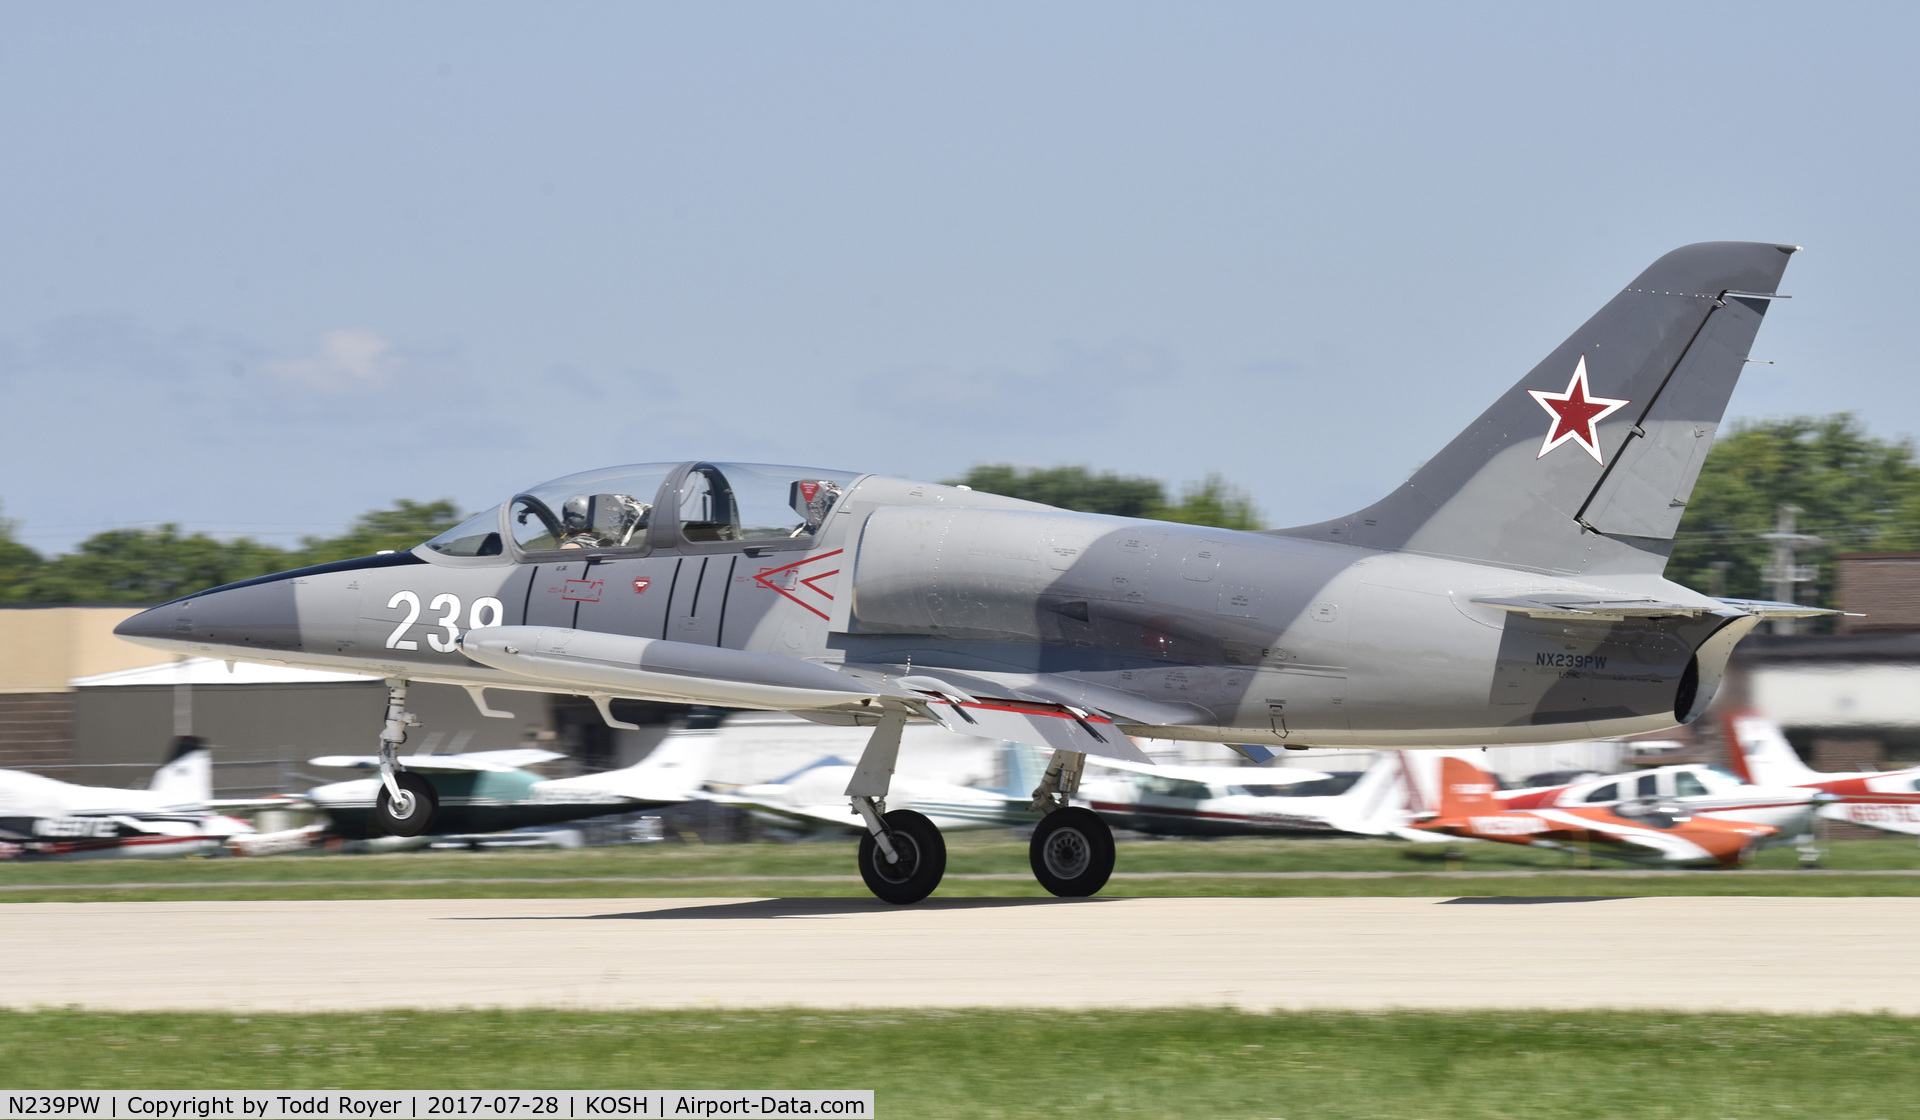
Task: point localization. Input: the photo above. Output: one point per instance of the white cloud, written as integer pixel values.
(345, 359)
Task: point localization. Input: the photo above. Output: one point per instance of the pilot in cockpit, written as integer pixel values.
(602, 520)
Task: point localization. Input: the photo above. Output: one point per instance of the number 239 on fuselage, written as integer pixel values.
(1162, 628)
(1511, 591)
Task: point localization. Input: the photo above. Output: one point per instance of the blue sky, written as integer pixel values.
(263, 267)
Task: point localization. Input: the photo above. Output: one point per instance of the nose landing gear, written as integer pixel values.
(407, 802)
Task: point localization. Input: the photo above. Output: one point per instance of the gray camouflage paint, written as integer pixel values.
(1358, 631)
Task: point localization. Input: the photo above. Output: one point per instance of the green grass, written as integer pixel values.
(826, 868)
(1192, 1062)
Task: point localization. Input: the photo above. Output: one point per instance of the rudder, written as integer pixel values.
(1586, 464)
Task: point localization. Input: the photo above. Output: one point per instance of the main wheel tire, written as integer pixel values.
(1072, 852)
(422, 803)
(923, 859)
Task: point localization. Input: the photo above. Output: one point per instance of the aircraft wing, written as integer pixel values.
(1666, 844)
(1236, 774)
(837, 816)
(496, 761)
(1044, 709)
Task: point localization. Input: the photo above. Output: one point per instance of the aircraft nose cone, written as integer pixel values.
(162, 626)
(243, 616)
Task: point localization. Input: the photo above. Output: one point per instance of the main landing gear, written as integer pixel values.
(903, 856)
(1072, 851)
(407, 801)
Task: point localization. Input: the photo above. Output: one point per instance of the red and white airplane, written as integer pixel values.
(1657, 826)
(1888, 799)
(1705, 791)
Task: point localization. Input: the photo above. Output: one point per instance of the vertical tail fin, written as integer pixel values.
(187, 778)
(1465, 789)
(1759, 753)
(1586, 464)
(1379, 802)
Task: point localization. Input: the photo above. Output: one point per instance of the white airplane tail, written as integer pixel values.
(1377, 803)
(187, 778)
(1760, 753)
(672, 771)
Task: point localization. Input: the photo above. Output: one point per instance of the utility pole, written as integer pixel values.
(1783, 573)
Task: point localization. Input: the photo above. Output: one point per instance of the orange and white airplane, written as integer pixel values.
(1658, 826)
(1703, 791)
(1888, 799)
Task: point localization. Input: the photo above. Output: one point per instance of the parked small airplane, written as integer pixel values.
(1885, 799)
(1509, 592)
(1659, 826)
(815, 795)
(1235, 800)
(487, 791)
(1704, 791)
(41, 817)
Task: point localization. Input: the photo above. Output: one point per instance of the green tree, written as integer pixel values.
(155, 565)
(18, 563)
(148, 566)
(1212, 502)
(407, 524)
(1076, 488)
(1857, 492)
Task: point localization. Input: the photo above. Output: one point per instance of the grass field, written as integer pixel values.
(1266, 867)
(1197, 1062)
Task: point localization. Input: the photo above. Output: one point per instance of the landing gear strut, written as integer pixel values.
(903, 856)
(1072, 851)
(407, 801)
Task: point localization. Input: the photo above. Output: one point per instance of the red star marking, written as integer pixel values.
(771, 579)
(1576, 414)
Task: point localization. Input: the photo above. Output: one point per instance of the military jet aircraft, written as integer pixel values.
(1509, 592)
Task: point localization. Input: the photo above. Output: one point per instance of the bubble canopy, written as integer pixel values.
(654, 505)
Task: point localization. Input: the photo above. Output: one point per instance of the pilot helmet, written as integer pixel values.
(573, 515)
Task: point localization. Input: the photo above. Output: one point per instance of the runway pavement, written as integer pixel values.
(1762, 954)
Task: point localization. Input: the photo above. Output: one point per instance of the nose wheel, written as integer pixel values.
(919, 858)
(1072, 852)
(411, 812)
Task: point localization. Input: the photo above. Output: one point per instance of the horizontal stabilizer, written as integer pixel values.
(1761, 608)
(1593, 608)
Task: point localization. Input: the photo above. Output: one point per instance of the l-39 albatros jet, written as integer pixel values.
(1509, 592)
